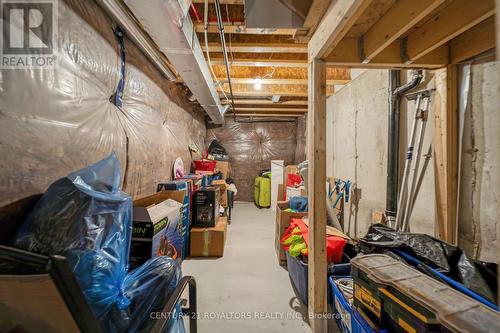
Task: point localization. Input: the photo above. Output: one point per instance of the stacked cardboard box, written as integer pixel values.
(157, 224)
(209, 242)
(283, 218)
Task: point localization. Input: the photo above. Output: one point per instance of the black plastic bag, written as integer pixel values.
(477, 276)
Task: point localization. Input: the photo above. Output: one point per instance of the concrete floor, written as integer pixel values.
(247, 282)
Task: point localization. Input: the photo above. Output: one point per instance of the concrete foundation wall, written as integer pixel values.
(357, 150)
(479, 211)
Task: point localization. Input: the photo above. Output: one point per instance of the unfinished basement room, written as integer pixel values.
(222, 166)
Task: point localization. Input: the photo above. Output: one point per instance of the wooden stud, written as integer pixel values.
(316, 154)
(456, 18)
(402, 16)
(473, 42)
(339, 18)
(446, 156)
(315, 13)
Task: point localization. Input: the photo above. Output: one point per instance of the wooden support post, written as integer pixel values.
(498, 94)
(446, 159)
(316, 154)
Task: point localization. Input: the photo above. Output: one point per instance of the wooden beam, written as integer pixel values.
(316, 154)
(346, 54)
(260, 47)
(281, 81)
(339, 18)
(402, 16)
(341, 74)
(241, 29)
(270, 90)
(456, 18)
(478, 39)
(262, 62)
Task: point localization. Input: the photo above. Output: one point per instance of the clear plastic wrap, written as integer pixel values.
(57, 120)
(86, 218)
(252, 146)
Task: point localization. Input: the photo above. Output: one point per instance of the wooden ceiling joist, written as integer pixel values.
(241, 29)
(474, 41)
(341, 74)
(248, 90)
(267, 102)
(257, 62)
(456, 18)
(347, 54)
(339, 18)
(402, 16)
(276, 110)
(281, 81)
(259, 47)
(222, 2)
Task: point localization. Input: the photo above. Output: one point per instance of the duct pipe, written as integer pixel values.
(395, 94)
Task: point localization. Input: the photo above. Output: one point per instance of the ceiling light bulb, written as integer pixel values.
(257, 83)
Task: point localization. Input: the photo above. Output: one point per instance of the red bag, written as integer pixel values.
(334, 244)
(293, 180)
(204, 164)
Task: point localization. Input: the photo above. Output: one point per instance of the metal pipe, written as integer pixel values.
(224, 52)
(395, 94)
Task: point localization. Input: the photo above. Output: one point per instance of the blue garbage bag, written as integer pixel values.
(87, 218)
(148, 288)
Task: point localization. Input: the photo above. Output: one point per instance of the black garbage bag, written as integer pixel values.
(218, 151)
(450, 260)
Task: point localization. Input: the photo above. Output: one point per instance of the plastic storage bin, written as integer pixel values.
(360, 325)
(297, 269)
(417, 302)
(341, 307)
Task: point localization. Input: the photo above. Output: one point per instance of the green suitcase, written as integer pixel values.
(263, 191)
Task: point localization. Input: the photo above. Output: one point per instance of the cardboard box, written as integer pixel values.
(281, 192)
(157, 227)
(282, 222)
(223, 167)
(206, 207)
(222, 185)
(186, 187)
(209, 242)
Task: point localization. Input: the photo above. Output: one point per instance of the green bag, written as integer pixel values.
(262, 194)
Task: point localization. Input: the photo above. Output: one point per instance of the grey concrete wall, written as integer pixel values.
(357, 150)
(479, 211)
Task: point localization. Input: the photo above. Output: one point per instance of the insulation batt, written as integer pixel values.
(54, 121)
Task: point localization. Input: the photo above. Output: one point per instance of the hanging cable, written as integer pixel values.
(224, 52)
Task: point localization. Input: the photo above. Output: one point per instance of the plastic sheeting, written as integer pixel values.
(252, 146)
(57, 120)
